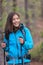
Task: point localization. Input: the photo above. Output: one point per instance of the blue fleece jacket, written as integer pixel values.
(15, 46)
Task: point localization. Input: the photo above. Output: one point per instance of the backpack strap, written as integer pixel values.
(23, 31)
(28, 55)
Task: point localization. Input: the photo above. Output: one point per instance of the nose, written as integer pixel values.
(15, 19)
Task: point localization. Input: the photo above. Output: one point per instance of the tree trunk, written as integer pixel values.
(14, 5)
(42, 8)
(26, 9)
(8, 7)
(0, 9)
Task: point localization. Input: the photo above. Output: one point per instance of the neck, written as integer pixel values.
(15, 29)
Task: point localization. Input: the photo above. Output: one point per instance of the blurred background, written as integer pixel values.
(31, 12)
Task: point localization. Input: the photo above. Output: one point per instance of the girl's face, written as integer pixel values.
(16, 20)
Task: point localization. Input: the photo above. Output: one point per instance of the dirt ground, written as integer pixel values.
(36, 63)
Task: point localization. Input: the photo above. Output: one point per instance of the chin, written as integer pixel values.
(16, 25)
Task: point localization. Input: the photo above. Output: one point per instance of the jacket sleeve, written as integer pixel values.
(6, 42)
(28, 44)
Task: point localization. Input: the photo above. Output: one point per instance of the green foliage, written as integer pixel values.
(20, 10)
(37, 53)
(34, 8)
(4, 19)
(4, 3)
(17, 9)
(41, 34)
(1, 23)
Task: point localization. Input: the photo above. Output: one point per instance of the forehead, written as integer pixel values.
(15, 16)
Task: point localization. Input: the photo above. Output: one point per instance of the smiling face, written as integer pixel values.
(16, 20)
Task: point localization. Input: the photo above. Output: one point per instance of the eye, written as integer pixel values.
(13, 19)
(17, 18)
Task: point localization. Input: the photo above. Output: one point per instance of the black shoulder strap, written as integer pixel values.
(23, 31)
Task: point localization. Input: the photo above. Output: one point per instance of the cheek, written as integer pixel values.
(13, 21)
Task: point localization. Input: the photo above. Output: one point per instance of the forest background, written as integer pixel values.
(31, 12)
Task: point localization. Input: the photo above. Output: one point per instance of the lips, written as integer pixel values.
(15, 23)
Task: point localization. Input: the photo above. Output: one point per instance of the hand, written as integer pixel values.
(3, 45)
(21, 40)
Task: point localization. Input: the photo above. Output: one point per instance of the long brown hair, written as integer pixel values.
(9, 25)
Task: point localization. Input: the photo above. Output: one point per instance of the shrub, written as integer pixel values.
(37, 53)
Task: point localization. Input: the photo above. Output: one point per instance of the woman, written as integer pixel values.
(14, 41)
